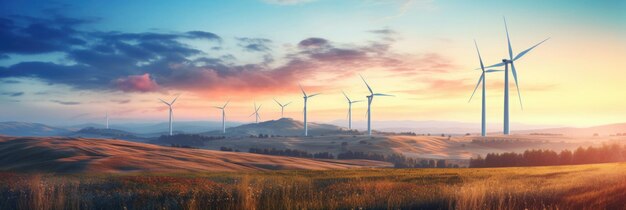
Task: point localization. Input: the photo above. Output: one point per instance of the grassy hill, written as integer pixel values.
(280, 127)
(600, 186)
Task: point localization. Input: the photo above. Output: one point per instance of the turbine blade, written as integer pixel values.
(278, 103)
(528, 50)
(217, 107)
(257, 109)
(226, 104)
(476, 88)
(313, 95)
(368, 86)
(252, 114)
(344, 94)
(175, 99)
(287, 104)
(303, 93)
(493, 70)
(482, 66)
(508, 39)
(164, 102)
(382, 94)
(356, 101)
(494, 65)
(516, 85)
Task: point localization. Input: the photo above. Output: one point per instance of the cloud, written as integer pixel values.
(137, 83)
(13, 94)
(148, 62)
(254, 44)
(121, 101)
(65, 102)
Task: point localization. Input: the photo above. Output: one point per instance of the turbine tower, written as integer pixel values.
(223, 108)
(256, 113)
(370, 98)
(282, 107)
(170, 107)
(483, 123)
(506, 63)
(350, 102)
(107, 119)
(306, 98)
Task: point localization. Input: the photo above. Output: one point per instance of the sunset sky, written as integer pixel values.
(71, 61)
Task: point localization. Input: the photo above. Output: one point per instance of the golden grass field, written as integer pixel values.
(599, 186)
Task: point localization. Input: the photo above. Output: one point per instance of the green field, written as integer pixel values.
(600, 186)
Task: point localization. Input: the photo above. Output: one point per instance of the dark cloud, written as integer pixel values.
(10, 81)
(254, 44)
(145, 62)
(3, 56)
(65, 102)
(39, 35)
(13, 94)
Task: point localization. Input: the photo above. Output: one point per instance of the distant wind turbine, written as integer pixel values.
(350, 102)
(170, 107)
(506, 63)
(107, 119)
(282, 108)
(370, 98)
(223, 108)
(306, 98)
(256, 113)
(482, 78)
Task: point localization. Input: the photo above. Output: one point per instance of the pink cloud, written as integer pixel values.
(137, 83)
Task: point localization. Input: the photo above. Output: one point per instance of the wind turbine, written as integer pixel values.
(370, 98)
(306, 98)
(223, 108)
(107, 118)
(350, 102)
(506, 63)
(482, 78)
(282, 107)
(256, 112)
(170, 106)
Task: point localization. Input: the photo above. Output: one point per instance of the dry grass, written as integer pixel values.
(601, 186)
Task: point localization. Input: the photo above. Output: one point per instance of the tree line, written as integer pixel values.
(604, 154)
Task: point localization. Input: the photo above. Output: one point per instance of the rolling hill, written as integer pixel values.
(31, 129)
(280, 127)
(82, 155)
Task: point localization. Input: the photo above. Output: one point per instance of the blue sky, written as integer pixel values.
(257, 50)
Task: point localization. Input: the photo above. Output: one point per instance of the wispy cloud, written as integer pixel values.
(65, 102)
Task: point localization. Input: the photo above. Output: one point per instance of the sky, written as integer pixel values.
(70, 62)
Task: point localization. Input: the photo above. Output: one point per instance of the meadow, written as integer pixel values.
(597, 186)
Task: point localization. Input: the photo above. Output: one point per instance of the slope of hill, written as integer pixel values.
(281, 127)
(602, 130)
(76, 155)
(91, 132)
(30, 129)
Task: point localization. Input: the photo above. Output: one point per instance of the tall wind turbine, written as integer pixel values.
(483, 123)
(170, 107)
(306, 98)
(282, 107)
(350, 102)
(506, 63)
(223, 108)
(370, 98)
(256, 113)
(107, 118)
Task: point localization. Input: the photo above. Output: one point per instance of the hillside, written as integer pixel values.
(80, 155)
(91, 132)
(30, 129)
(280, 127)
(602, 130)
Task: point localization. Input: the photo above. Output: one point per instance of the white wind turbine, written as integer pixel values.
(506, 63)
(350, 102)
(223, 108)
(282, 107)
(107, 119)
(170, 108)
(482, 79)
(370, 98)
(256, 113)
(306, 98)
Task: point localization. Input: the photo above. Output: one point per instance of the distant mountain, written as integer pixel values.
(157, 129)
(91, 132)
(282, 127)
(602, 130)
(436, 127)
(30, 129)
